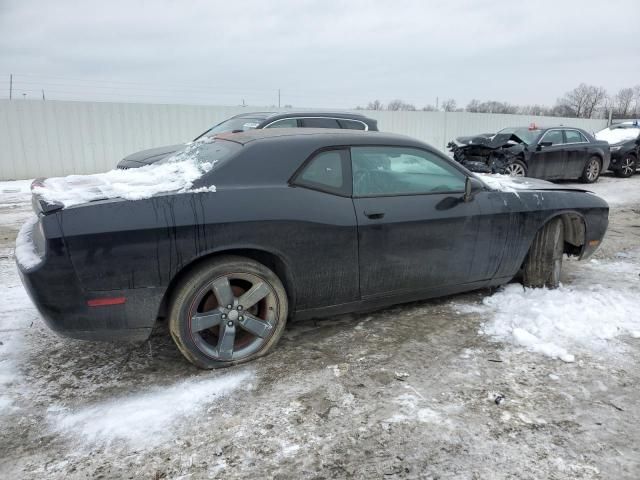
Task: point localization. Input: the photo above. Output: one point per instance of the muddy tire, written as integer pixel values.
(228, 311)
(627, 166)
(516, 168)
(544, 261)
(592, 170)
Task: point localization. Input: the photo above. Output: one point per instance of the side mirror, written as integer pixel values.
(471, 186)
(544, 144)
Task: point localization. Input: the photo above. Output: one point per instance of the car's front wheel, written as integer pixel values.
(591, 171)
(227, 311)
(516, 168)
(544, 261)
(627, 166)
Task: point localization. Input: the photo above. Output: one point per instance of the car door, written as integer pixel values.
(548, 159)
(326, 269)
(576, 146)
(414, 230)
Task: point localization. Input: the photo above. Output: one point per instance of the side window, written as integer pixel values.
(326, 172)
(284, 123)
(352, 124)
(553, 136)
(379, 171)
(320, 123)
(574, 136)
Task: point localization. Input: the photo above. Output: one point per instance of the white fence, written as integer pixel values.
(52, 138)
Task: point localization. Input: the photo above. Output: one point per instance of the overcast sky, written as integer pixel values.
(319, 53)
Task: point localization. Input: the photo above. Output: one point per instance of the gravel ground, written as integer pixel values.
(413, 391)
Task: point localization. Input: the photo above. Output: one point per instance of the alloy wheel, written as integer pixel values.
(628, 166)
(593, 169)
(515, 170)
(233, 316)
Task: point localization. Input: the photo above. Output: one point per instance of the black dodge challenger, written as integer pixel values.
(558, 153)
(302, 224)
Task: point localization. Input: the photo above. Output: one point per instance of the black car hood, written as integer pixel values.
(490, 141)
(504, 182)
(146, 157)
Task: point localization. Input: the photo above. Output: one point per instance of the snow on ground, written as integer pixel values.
(17, 314)
(176, 174)
(616, 191)
(146, 419)
(599, 304)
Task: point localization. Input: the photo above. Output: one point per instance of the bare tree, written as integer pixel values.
(491, 106)
(375, 105)
(623, 102)
(398, 104)
(473, 106)
(583, 101)
(596, 99)
(428, 108)
(449, 105)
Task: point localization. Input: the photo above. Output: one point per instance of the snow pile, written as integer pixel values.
(17, 314)
(600, 305)
(177, 174)
(618, 135)
(25, 249)
(145, 419)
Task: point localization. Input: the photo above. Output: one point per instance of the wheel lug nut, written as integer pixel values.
(240, 318)
(239, 307)
(229, 307)
(230, 323)
(224, 315)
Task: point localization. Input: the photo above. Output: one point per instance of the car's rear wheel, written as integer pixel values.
(627, 166)
(516, 168)
(592, 169)
(227, 311)
(544, 261)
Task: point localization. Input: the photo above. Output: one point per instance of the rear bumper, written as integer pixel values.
(55, 291)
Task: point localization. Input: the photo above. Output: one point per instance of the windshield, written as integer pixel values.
(619, 133)
(232, 124)
(526, 135)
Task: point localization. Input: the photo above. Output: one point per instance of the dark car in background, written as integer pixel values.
(557, 153)
(259, 120)
(624, 141)
(343, 221)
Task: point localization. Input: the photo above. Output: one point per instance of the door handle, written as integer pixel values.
(373, 215)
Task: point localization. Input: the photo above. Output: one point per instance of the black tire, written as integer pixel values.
(544, 262)
(627, 166)
(211, 335)
(592, 170)
(516, 166)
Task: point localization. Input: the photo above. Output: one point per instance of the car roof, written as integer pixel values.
(303, 113)
(326, 134)
(539, 128)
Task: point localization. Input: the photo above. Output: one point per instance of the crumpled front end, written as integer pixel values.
(484, 154)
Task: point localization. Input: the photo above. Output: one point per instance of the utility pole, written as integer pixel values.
(278, 98)
(43, 94)
(10, 86)
(437, 103)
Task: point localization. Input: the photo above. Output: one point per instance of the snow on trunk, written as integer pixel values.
(176, 174)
